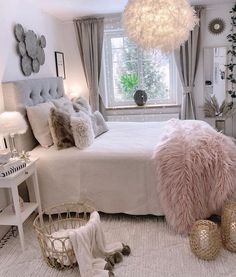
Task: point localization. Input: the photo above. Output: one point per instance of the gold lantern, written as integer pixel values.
(205, 241)
(228, 226)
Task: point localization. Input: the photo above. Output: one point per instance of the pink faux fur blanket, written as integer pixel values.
(195, 170)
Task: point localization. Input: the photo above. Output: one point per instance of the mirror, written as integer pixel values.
(215, 77)
(216, 26)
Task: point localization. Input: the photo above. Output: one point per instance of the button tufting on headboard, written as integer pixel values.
(30, 92)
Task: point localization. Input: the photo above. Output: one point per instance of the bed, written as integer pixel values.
(127, 169)
(116, 173)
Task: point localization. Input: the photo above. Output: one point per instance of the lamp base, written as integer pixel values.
(14, 153)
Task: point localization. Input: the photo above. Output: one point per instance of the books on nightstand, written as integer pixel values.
(11, 167)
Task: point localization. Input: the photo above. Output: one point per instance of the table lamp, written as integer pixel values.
(11, 124)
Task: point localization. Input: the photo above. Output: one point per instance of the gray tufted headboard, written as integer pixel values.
(19, 94)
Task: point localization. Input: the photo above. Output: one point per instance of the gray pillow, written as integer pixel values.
(98, 123)
(82, 131)
(81, 104)
(79, 108)
(59, 123)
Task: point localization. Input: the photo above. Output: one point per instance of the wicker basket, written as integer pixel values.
(205, 240)
(228, 226)
(57, 250)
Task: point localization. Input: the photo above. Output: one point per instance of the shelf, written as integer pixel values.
(8, 217)
(145, 107)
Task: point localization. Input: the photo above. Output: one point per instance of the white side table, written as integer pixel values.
(8, 217)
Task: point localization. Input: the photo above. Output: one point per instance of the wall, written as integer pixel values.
(207, 40)
(60, 37)
(30, 18)
(210, 40)
(143, 114)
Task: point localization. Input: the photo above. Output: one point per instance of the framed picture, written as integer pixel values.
(60, 64)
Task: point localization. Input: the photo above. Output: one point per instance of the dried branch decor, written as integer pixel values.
(213, 109)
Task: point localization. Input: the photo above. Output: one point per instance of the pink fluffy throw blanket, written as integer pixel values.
(196, 172)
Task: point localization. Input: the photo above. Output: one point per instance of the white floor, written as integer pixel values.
(156, 252)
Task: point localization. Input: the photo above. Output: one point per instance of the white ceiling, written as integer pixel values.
(69, 9)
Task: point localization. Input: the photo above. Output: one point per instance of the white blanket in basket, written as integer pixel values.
(58, 251)
(90, 247)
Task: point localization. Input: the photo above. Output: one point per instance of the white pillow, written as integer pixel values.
(82, 131)
(64, 104)
(38, 117)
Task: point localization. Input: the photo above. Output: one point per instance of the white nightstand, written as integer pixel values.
(8, 217)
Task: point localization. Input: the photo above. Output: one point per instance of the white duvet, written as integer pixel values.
(116, 173)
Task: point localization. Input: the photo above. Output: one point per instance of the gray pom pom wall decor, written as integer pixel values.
(43, 42)
(31, 44)
(22, 48)
(26, 65)
(19, 32)
(30, 48)
(40, 55)
(36, 66)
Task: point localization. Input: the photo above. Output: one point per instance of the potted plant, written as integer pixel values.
(129, 83)
(219, 112)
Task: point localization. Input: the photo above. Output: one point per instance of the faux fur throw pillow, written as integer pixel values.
(82, 131)
(59, 123)
(64, 104)
(99, 124)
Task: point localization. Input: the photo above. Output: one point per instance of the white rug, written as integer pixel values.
(156, 252)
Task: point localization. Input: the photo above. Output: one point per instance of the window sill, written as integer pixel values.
(160, 106)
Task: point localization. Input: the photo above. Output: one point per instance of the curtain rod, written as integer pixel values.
(110, 15)
(98, 16)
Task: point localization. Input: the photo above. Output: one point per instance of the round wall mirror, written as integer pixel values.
(216, 26)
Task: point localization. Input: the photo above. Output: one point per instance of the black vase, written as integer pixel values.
(140, 97)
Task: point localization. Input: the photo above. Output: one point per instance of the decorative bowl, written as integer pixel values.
(140, 97)
(5, 156)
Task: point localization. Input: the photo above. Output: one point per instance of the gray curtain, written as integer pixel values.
(187, 57)
(90, 41)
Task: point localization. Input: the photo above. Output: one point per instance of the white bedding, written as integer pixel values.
(116, 173)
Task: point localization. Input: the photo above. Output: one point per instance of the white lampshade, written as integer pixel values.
(162, 24)
(12, 123)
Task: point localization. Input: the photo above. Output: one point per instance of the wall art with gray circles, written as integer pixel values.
(30, 48)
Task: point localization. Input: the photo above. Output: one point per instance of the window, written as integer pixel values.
(128, 68)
